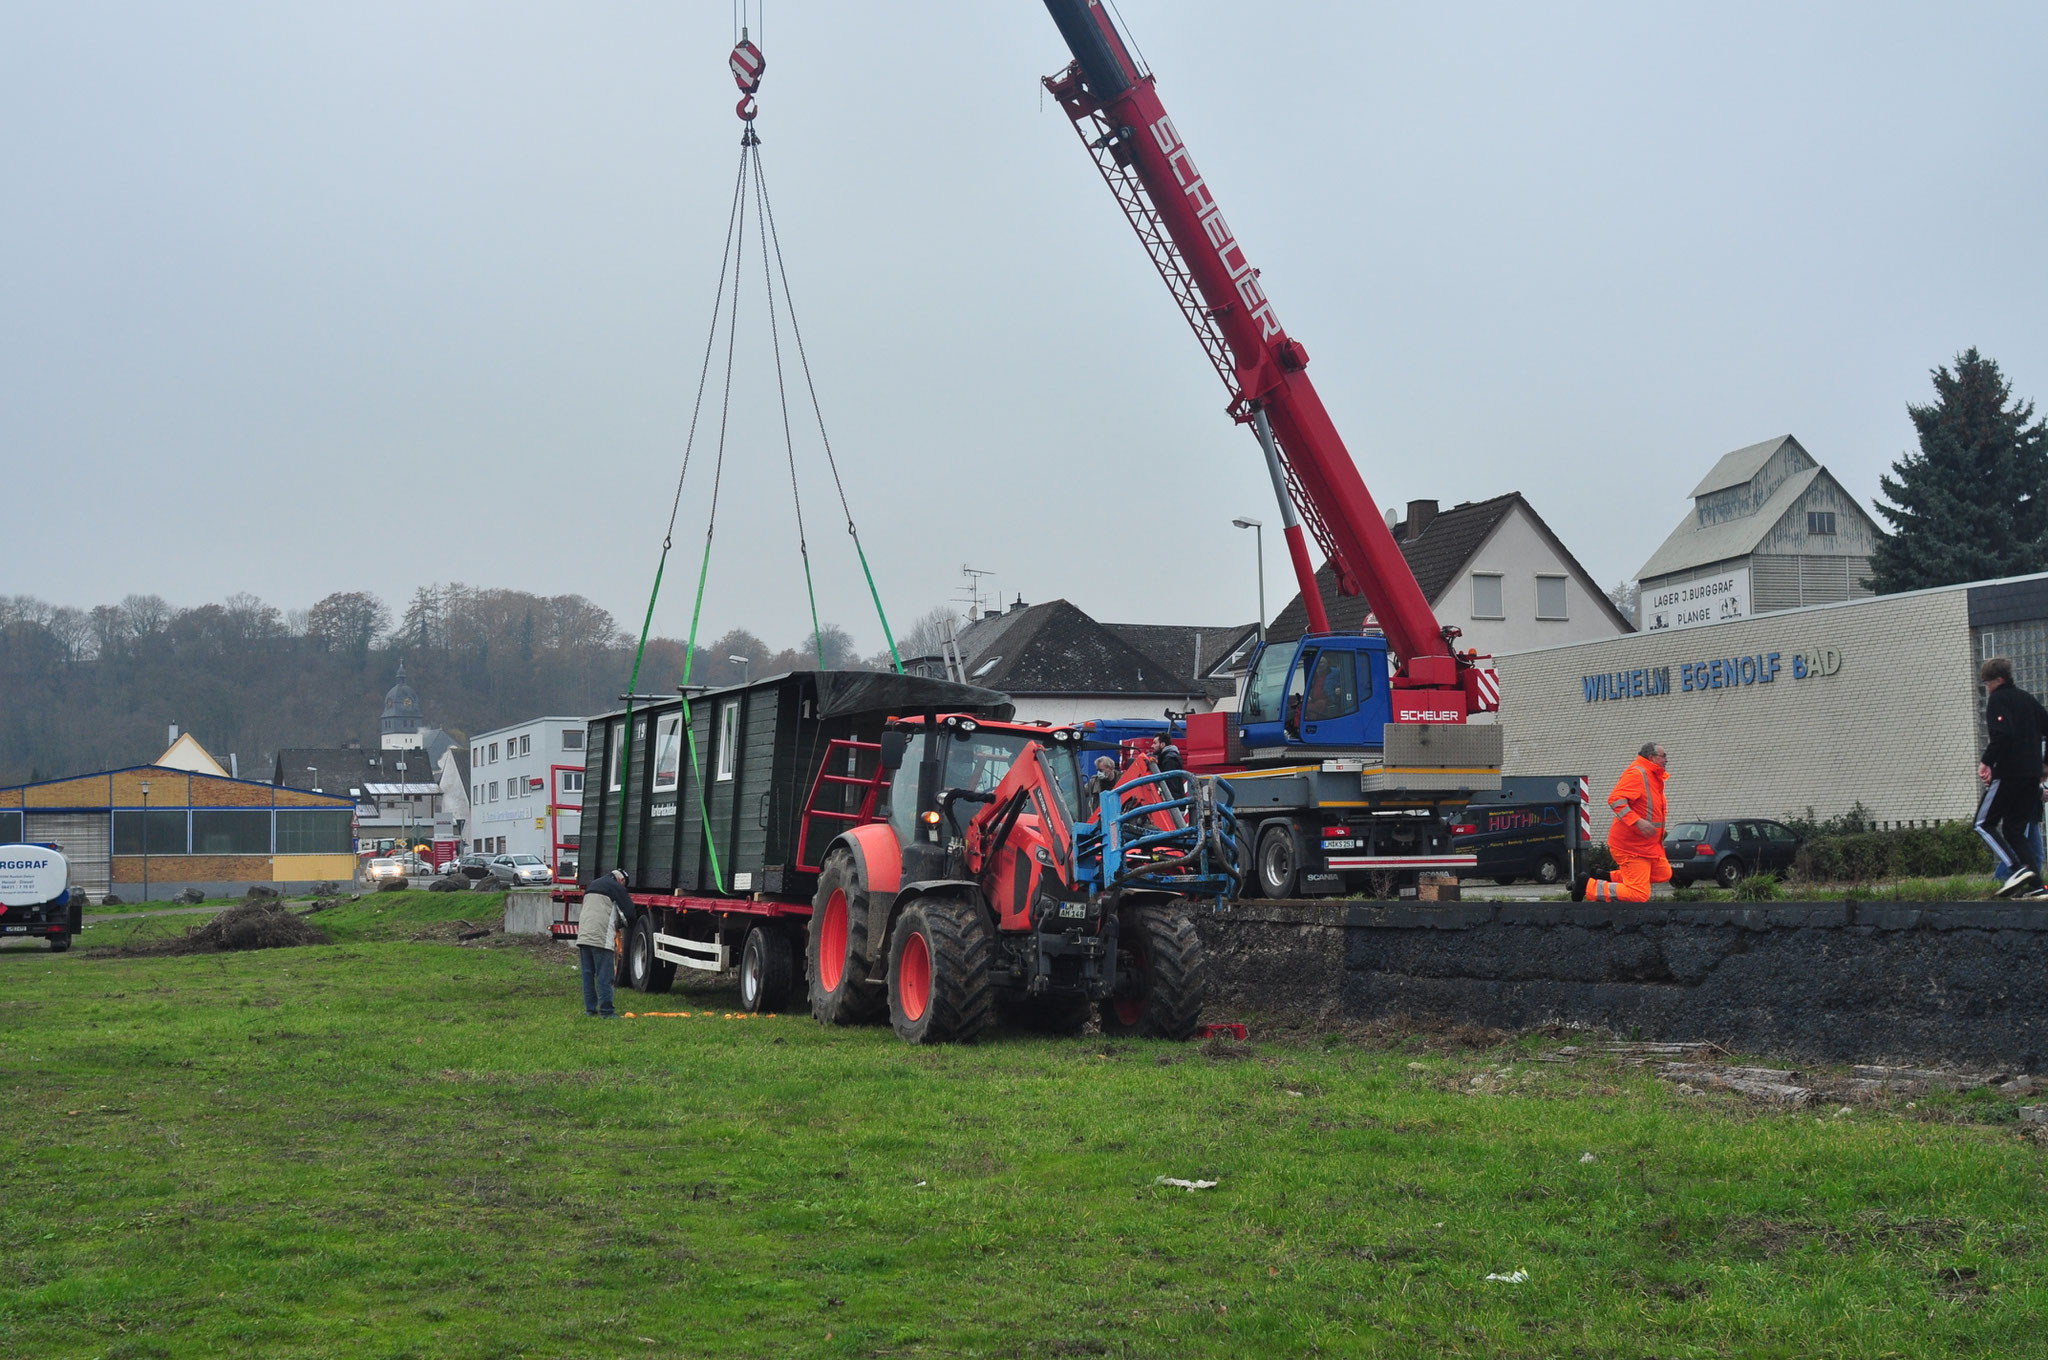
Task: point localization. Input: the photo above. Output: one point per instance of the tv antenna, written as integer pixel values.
(973, 590)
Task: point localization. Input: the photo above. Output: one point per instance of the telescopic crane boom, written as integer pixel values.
(1118, 114)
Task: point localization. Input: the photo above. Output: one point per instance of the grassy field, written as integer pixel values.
(394, 1146)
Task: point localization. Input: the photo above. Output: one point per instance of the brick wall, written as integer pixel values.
(1894, 727)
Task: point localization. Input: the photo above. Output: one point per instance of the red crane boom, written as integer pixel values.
(1146, 163)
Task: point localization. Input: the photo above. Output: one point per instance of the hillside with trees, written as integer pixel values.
(94, 689)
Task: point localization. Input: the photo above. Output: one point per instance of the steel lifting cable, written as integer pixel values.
(817, 410)
(726, 259)
(803, 548)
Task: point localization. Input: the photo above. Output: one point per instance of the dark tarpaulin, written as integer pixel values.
(886, 693)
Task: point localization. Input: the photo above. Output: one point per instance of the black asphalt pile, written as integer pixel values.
(253, 925)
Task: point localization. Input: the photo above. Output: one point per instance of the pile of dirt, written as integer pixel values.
(262, 924)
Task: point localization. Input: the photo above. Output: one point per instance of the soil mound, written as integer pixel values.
(263, 924)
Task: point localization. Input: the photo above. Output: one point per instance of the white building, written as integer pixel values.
(1492, 569)
(1770, 529)
(526, 791)
(1870, 701)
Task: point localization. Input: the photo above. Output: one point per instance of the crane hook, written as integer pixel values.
(747, 65)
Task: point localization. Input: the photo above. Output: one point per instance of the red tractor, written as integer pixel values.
(1009, 883)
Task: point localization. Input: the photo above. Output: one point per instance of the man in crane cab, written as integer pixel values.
(1637, 836)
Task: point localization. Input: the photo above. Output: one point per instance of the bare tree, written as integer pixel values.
(1627, 595)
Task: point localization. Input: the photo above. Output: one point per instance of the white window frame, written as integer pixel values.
(615, 744)
(1500, 585)
(526, 745)
(494, 790)
(572, 739)
(572, 781)
(668, 744)
(728, 738)
(1564, 585)
(494, 753)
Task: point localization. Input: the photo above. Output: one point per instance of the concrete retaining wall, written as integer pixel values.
(529, 911)
(1835, 981)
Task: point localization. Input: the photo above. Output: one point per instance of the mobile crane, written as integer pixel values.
(1346, 752)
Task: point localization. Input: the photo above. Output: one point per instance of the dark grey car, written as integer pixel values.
(1728, 849)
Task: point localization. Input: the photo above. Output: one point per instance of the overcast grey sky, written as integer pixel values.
(300, 298)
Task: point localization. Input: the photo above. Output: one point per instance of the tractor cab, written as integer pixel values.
(971, 756)
(1327, 691)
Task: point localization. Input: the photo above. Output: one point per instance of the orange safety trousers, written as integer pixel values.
(1632, 877)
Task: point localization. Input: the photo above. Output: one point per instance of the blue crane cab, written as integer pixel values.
(1327, 691)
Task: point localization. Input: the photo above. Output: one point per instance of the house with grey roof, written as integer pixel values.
(1770, 529)
(1058, 664)
(1492, 569)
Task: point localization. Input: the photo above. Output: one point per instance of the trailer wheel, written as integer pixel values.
(939, 957)
(1279, 860)
(644, 971)
(836, 959)
(767, 970)
(1162, 976)
(1064, 1013)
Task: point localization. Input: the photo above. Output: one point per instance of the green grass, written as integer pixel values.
(387, 1148)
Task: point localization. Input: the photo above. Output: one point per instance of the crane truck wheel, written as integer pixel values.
(1162, 976)
(1064, 1013)
(836, 959)
(939, 957)
(767, 971)
(1278, 863)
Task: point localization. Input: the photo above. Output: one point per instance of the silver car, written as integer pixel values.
(521, 871)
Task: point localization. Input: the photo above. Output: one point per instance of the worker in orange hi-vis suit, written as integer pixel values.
(1637, 836)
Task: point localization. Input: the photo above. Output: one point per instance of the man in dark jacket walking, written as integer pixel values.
(2011, 770)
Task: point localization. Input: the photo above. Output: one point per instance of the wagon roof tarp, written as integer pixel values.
(841, 693)
(844, 692)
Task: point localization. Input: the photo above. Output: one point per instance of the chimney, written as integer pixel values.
(174, 735)
(234, 766)
(1420, 513)
(1017, 606)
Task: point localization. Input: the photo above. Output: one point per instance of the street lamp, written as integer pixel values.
(402, 793)
(1259, 535)
(746, 669)
(145, 840)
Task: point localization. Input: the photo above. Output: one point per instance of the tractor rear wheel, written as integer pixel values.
(767, 970)
(1162, 977)
(1062, 1013)
(836, 959)
(939, 957)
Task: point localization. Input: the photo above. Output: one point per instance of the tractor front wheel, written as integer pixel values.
(939, 957)
(836, 959)
(1161, 976)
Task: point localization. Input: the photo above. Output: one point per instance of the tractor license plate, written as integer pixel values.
(1074, 911)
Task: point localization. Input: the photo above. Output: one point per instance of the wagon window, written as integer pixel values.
(668, 753)
(728, 738)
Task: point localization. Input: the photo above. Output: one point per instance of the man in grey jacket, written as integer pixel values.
(605, 904)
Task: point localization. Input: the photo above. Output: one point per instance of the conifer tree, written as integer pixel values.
(1972, 503)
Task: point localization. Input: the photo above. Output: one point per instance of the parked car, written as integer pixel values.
(1728, 849)
(470, 866)
(1524, 830)
(521, 871)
